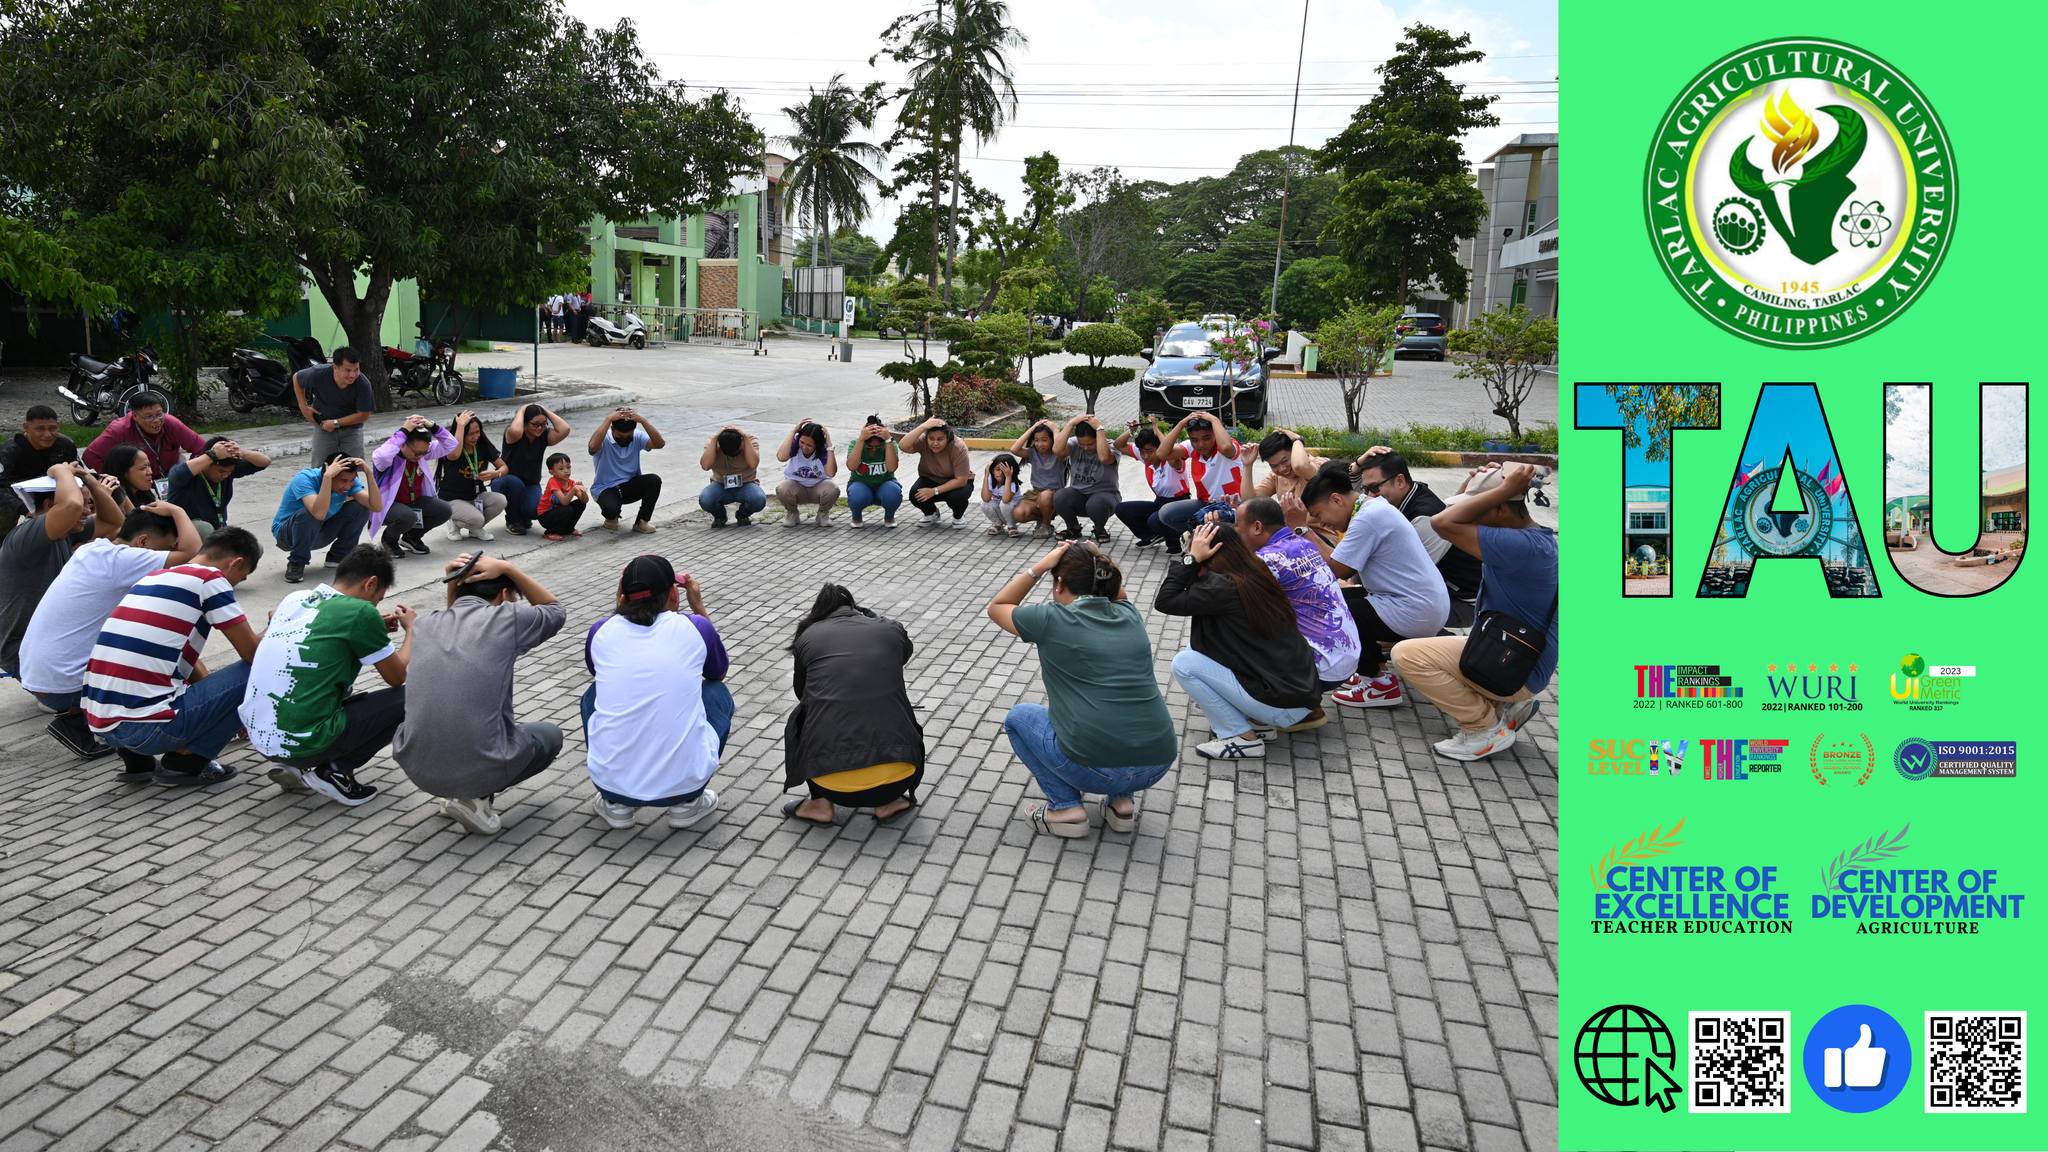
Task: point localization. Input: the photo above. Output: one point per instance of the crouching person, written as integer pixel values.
(459, 740)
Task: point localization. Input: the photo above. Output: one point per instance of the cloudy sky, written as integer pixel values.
(1163, 89)
(2004, 429)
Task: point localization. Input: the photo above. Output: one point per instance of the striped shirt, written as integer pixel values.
(146, 649)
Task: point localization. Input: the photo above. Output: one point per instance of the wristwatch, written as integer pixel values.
(1188, 558)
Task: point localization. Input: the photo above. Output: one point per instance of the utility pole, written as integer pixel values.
(1287, 162)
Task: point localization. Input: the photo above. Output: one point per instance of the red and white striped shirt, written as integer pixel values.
(145, 652)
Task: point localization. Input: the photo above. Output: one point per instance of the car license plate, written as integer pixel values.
(1199, 402)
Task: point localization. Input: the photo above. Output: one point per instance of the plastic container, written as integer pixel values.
(496, 383)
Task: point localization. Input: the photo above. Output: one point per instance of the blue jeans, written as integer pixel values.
(1181, 516)
(204, 723)
(718, 711)
(1061, 779)
(1230, 709)
(860, 496)
(339, 532)
(715, 497)
(522, 500)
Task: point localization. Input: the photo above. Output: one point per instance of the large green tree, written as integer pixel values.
(1029, 239)
(1408, 197)
(829, 176)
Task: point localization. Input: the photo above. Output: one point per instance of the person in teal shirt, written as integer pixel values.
(1104, 727)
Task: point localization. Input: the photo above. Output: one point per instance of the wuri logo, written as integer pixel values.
(1812, 683)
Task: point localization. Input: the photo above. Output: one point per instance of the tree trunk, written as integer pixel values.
(953, 221)
(362, 319)
(1401, 282)
(814, 247)
(827, 230)
(931, 277)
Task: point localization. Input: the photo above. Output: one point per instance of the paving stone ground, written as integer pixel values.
(1350, 945)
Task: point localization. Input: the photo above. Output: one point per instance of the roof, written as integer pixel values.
(1526, 142)
(2006, 481)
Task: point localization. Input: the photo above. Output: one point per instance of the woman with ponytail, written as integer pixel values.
(853, 738)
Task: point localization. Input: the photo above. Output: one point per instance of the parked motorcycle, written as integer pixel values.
(427, 370)
(599, 331)
(254, 380)
(97, 386)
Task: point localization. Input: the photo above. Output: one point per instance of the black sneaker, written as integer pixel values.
(744, 519)
(392, 543)
(340, 784)
(1102, 535)
(1068, 534)
(417, 541)
(135, 766)
(71, 730)
(184, 770)
(294, 571)
(333, 558)
(516, 529)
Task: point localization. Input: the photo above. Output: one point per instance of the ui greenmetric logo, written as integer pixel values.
(1800, 193)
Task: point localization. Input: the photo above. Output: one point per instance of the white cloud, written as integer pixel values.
(2003, 431)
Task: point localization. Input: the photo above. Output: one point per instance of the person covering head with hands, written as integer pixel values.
(616, 446)
(1091, 481)
(204, 485)
(807, 470)
(1247, 666)
(1518, 576)
(657, 712)
(871, 463)
(733, 458)
(146, 691)
(325, 506)
(336, 400)
(1383, 472)
(67, 508)
(1289, 464)
(1165, 473)
(465, 479)
(1104, 727)
(1038, 448)
(944, 473)
(1215, 473)
(1310, 587)
(299, 706)
(853, 739)
(528, 437)
(461, 740)
(411, 505)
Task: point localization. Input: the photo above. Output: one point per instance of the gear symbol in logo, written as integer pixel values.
(1739, 225)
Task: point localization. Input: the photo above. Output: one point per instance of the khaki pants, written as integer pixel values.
(1431, 667)
(466, 515)
(791, 493)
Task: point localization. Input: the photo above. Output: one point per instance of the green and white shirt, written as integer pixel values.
(316, 643)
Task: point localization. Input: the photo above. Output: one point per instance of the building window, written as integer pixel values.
(1646, 521)
(1529, 224)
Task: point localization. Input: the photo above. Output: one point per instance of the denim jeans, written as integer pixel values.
(1230, 709)
(205, 719)
(522, 500)
(749, 496)
(718, 712)
(860, 496)
(340, 532)
(1181, 516)
(1061, 779)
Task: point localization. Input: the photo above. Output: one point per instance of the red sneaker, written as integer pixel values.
(1379, 692)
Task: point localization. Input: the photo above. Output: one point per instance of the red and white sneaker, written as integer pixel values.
(1379, 692)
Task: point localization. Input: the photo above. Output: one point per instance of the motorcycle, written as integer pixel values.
(599, 331)
(429, 369)
(98, 386)
(254, 379)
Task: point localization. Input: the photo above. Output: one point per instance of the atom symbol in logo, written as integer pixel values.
(1866, 224)
(1739, 225)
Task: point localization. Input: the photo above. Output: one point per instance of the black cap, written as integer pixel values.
(646, 576)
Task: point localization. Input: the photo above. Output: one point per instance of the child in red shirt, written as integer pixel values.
(562, 500)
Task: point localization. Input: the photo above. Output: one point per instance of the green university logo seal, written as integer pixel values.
(1800, 193)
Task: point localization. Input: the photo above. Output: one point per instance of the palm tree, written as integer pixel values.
(829, 176)
(960, 82)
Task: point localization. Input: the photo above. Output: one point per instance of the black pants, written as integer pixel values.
(1371, 631)
(644, 488)
(369, 719)
(560, 519)
(1142, 518)
(956, 499)
(904, 789)
(1073, 502)
(430, 513)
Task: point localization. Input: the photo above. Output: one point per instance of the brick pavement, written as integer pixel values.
(1350, 945)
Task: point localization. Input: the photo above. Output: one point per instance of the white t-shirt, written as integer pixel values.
(808, 471)
(648, 736)
(1400, 582)
(66, 623)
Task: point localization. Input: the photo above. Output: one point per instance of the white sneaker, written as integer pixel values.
(1477, 745)
(1245, 747)
(1513, 716)
(792, 518)
(475, 815)
(824, 515)
(957, 522)
(455, 531)
(857, 524)
(485, 535)
(695, 812)
(616, 815)
(931, 520)
(288, 778)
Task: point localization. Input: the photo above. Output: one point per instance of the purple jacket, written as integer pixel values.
(385, 463)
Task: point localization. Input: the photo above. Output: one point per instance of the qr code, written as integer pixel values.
(1740, 1062)
(1976, 1062)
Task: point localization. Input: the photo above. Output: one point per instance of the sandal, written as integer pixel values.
(992, 530)
(1064, 829)
(1116, 823)
(898, 814)
(790, 808)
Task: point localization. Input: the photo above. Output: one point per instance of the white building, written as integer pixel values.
(1513, 260)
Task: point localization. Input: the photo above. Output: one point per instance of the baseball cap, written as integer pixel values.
(646, 576)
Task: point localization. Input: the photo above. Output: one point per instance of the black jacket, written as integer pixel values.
(1459, 568)
(1277, 668)
(852, 708)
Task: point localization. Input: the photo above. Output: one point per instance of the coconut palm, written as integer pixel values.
(960, 82)
(829, 174)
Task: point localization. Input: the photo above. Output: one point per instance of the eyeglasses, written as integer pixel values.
(1372, 489)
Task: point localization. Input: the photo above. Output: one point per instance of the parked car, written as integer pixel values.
(1423, 334)
(1176, 384)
